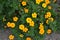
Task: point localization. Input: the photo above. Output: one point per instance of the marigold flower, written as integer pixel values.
(25, 29)
(49, 7)
(51, 19)
(41, 31)
(8, 24)
(38, 1)
(23, 3)
(21, 35)
(48, 14)
(28, 20)
(12, 25)
(49, 31)
(44, 5)
(47, 21)
(28, 38)
(31, 23)
(47, 2)
(34, 15)
(26, 10)
(11, 37)
(15, 19)
(21, 27)
(41, 26)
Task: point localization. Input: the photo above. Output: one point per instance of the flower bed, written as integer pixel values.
(28, 19)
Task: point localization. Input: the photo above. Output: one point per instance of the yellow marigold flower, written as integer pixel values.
(28, 38)
(47, 21)
(8, 24)
(15, 19)
(47, 2)
(41, 31)
(44, 5)
(51, 19)
(31, 23)
(48, 14)
(21, 27)
(38, 1)
(41, 26)
(26, 10)
(28, 20)
(49, 31)
(23, 3)
(21, 35)
(49, 7)
(34, 15)
(12, 25)
(11, 37)
(25, 29)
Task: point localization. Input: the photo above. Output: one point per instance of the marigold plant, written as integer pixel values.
(28, 19)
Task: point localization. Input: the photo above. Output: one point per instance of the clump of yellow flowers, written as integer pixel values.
(12, 25)
(30, 21)
(23, 28)
(41, 28)
(48, 14)
(48, 17)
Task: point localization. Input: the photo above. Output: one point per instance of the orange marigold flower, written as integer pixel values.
(34, 15)
(8, 24)
(15, 18)
(24, 3)
(12, 25)
(31, 23)
(26, 10)
(38, 1)
(41, 26)
(47, 2)
(41, 31)
(11, 37)
(28, 38)
(25, 29)
(49, 31)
